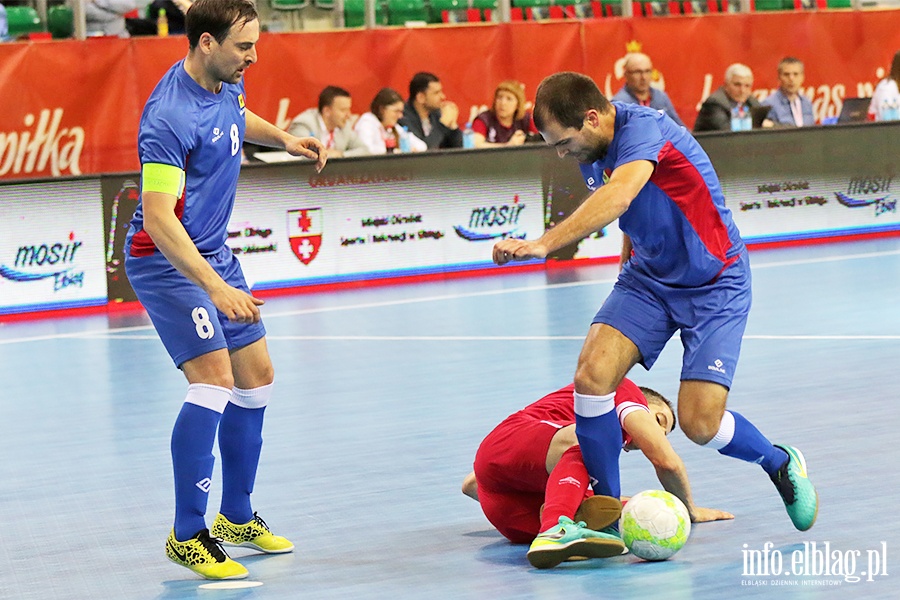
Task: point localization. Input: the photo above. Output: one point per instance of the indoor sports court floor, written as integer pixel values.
(383, 395)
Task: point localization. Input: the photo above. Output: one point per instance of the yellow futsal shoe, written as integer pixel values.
(204, 556)
(255, 534)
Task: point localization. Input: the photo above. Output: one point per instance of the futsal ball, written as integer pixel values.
(655, 525)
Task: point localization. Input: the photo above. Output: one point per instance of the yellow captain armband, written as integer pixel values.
(156, 177)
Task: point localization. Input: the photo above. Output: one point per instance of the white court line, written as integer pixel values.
(104, 333)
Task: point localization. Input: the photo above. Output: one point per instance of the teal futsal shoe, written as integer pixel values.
(569, 540)
(800, 497)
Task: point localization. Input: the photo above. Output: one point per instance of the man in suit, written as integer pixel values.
(729, 107)
(790, 108)
(330, 124)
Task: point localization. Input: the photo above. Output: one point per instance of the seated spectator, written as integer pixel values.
(429, 116)
(790, 108)
(4, 24)
(175, 11)
(378, 128)
(729, 107)
(637, 88)
(507, 123)
(885, 105)
(107, 17)
(329, 123)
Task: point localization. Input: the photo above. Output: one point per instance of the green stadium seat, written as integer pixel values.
(488, 8)
(355, 13)
(838, 4)
(612, 8)
(289, 4)
(60, 21)
(767, 5)
(448, 11)
(399, 12)
(22, 20)
(534, 10)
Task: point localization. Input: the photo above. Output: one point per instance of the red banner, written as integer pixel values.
(70, 107)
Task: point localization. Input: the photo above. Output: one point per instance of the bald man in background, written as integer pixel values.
(637, 89)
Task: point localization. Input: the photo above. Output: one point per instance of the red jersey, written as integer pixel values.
(558, 407)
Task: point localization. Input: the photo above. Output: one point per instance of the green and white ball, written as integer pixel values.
(655, 525)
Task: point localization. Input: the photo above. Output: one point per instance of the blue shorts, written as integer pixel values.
(711, 319)
(187, 321)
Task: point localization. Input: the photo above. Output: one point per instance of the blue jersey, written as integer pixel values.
(682, 232)
(189, 127)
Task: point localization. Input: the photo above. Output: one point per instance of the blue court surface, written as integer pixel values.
(383, 395)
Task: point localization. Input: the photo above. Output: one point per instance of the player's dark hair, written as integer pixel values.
(327, 96)
(654, 396)
(420, 83)
(384, 98)
(565, 98)
(216, 17)
(788, 60)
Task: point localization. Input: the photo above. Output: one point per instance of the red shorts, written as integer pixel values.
(511, 471)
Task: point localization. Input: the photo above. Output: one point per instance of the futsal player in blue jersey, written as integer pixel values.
(191, 285)
(685, 268)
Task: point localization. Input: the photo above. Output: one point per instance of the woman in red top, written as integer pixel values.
(507, 123)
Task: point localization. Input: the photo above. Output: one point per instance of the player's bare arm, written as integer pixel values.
(651, 440)
(259, 131)
(470, 486)
(173, 241)
(599, 210)
(626, 250)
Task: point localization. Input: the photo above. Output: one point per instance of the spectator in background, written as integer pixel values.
(107, 17)
(507, 123)
(429, 115)
(885, 104)
(729, 107)
(4, 24)
(378, 129)
(330, 124)
(147, 25)
(790, 108)
(637, 88)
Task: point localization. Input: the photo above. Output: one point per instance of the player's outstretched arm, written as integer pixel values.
(599, 210)
(649, 437)
(259, 131)
(470, 486)
(173, 241)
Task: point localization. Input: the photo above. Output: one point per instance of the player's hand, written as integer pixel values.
(704, 515)
(237, 305)
(309, 147)
(513, 249)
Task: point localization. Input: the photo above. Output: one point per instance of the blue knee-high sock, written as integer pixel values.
(600, 438)
(240, 443)
(739, 438)
(192, 441)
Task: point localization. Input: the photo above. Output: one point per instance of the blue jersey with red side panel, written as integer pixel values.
(682, 232)
(189, 127)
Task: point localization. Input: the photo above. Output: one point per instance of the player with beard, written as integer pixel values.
(685, 268)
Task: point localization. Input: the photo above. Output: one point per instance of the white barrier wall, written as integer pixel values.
(51, 246)
(61, 241)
